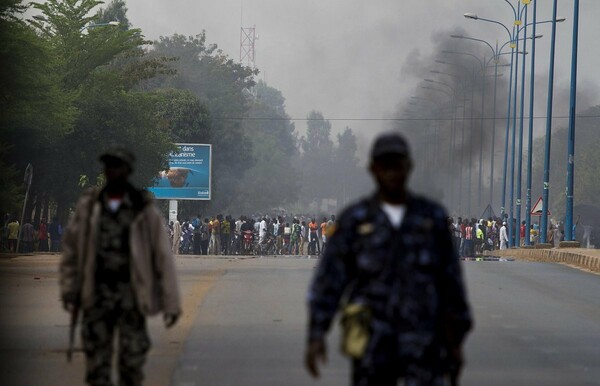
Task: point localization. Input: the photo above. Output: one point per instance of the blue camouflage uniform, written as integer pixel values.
(408, 277)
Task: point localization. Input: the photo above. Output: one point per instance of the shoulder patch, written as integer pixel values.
(365, 228)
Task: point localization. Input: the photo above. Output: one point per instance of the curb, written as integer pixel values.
(577, 257)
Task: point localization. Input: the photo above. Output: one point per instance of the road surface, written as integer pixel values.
(244, 324)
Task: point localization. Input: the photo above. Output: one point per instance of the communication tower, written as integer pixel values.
(247, 46)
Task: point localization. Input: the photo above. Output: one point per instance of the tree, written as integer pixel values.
(115, 11)
(317, 158)
(92, 73)
(273, 180)
(345, 165)
(33, 110)
(224, 86)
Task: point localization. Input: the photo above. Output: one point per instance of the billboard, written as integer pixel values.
(189, 174)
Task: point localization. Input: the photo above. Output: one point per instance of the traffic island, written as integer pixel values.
(587, 259)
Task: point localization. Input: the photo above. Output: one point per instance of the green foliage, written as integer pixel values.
(115, 11)
(273, 179)
(224, 86)
(72, 86)
(183, 115)
(11, 191)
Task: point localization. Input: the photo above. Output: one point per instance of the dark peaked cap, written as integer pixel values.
(390, 143)
(120, 154)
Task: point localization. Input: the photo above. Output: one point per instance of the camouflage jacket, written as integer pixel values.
(409, 277)
(153, 277)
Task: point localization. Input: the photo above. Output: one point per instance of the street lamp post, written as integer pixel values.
(513, 43)
(545, 193)
(530, 134)
(520, 153)
(569, 234)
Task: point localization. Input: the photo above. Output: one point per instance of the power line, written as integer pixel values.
(385, 119)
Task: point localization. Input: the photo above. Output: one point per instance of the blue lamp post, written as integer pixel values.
(530, 133)
(520, 151)
(512, 105)
(473, 16)
(569, 233)
(545, 193)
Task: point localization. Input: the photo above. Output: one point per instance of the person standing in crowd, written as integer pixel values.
(295, 237)
(225, 235)
(116, 254)
(503, 236)
(197, 224)
(323, 229)
(204, 236)
(27, 237)
(303, 236)
(262, 230)
(463, 227)
(13, 235)
(177, 232)
(392, 257)
(532, 235)
(479, 239)
(313, 238)
(469, 236)
(456, 234)
(43, 236)
(55, 231)
(215, 236)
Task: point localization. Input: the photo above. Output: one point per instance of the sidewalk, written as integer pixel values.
(587, 259)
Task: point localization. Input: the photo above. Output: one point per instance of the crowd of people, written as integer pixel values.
(472, 237)
(246, 235)
(40, 237)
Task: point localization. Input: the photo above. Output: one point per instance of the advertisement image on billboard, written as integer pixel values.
(188, 176)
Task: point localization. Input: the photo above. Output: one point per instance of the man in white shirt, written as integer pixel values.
(262, 230)
(503, 236)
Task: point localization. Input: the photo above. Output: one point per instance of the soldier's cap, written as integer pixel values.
(119, 154)
(390, 143)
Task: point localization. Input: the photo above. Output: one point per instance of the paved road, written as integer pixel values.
(537, 324)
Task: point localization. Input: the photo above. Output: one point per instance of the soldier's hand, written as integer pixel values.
(170, 320)
(315, 352)
(456, 361)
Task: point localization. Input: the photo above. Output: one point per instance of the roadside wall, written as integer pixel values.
(579, 257)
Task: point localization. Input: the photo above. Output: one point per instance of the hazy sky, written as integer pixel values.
(345, 57)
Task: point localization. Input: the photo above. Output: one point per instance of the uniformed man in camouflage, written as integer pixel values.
(392, 255)
(117, 268)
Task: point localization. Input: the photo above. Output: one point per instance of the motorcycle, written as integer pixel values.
(247, 242)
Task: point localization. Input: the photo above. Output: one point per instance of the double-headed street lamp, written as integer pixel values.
(111, 23)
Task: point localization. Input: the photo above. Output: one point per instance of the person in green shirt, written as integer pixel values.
(13, 235)
(225, 234)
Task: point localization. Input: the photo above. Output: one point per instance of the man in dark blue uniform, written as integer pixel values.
(392, 255)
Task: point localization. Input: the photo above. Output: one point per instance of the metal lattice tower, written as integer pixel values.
(247, 46)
